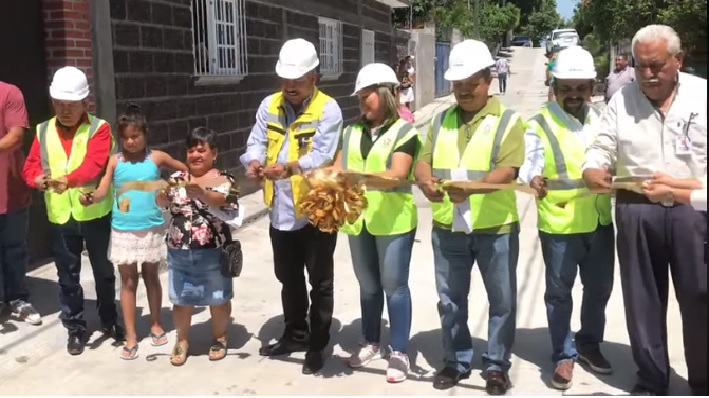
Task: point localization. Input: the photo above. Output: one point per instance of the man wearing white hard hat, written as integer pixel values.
(297, 129)
(476, 139)
(382, 238)
(68, 156)
(575, 227)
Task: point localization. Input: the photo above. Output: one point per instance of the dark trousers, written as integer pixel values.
(312, 250)
(649, 238)
(67, 244)
(13, 256)
(502, 79)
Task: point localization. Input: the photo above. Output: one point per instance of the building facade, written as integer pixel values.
(190, 63)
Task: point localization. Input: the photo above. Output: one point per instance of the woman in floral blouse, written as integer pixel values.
(194, 241)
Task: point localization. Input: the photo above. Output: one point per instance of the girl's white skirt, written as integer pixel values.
(139, 247)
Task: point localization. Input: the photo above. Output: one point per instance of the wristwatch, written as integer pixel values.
(669, 200)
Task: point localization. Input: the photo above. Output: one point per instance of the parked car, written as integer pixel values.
(521, 41)
(561, 38)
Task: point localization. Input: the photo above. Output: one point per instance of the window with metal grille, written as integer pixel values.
(330, 47)
(219, 38)
(367, 50)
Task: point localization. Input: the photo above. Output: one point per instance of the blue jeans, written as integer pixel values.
(593, 255)
(13, 256)
(381, 265)
(502, 79)
(453, 255)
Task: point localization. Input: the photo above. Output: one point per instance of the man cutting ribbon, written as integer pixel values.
(575, 227)
(475, 139)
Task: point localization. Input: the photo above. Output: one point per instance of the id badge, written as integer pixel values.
(682, 146)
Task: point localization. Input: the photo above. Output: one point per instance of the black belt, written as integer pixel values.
(623, 196)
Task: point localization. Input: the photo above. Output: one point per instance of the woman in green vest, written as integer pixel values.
(382, 238)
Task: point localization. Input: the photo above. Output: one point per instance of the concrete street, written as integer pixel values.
(33, 360)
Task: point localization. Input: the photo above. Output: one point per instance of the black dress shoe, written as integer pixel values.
(75, 344)
(115, 331)
(314, 361)
(448, 378)
(282, 347)
(497, 383)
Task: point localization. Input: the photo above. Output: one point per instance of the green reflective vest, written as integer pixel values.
(61, 207)
(486, 210)
(568, 209)
(390, 211)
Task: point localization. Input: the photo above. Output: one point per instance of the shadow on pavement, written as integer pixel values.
(272, 330)
(534, 345)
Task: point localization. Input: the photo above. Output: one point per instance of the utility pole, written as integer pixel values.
(476, 19)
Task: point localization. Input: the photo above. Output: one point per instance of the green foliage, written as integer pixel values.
(542, 21)
(600, 57)
(614, 20)
(495, 20)
(526, 8)
(689, 18)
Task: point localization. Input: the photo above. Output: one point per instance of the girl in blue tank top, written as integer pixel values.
(138, 234)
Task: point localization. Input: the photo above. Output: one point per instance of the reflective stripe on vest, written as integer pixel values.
(566, 210)
(487, 211)
(389, 211)
(62, 207)
(300, 135)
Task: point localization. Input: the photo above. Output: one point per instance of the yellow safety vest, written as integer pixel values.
(62, 207)
(300, 140)
(568, 209)
(487, 210)
(390, 211)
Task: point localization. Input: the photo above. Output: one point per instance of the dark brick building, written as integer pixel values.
(186, 62)
(210, 62)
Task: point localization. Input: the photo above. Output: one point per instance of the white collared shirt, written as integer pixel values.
(636, 140)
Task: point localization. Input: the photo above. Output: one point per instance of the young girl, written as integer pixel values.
(137, 235)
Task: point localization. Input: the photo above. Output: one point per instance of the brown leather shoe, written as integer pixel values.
(497, 383)
(563, 375)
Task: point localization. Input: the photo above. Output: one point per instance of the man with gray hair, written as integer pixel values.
(619, 77)
(657, 124)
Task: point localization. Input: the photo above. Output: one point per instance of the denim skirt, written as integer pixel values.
(195, 278)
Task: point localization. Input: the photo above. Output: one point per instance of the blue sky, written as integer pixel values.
(565, 8)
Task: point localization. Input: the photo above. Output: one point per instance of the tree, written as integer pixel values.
(495, 20)
(542, 21)
(600, 57)
(614, 20)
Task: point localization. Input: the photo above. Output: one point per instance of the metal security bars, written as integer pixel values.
(367, 50)
(330, 47)
(219, 38)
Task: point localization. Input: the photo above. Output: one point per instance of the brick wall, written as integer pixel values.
(67, 31)
(154, 64)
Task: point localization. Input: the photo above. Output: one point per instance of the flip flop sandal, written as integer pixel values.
(129, 353)
(217, 351)
(155, 339)
(179, 355)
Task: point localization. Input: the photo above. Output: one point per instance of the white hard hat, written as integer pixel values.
(297, 57)
(574, 63)
(372, 74)
(69, 84)
(467, 58)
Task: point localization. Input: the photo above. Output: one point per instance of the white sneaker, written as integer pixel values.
(398, 369)
(26, 312)
(365, 354)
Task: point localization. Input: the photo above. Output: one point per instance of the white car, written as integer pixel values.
(562, 38)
